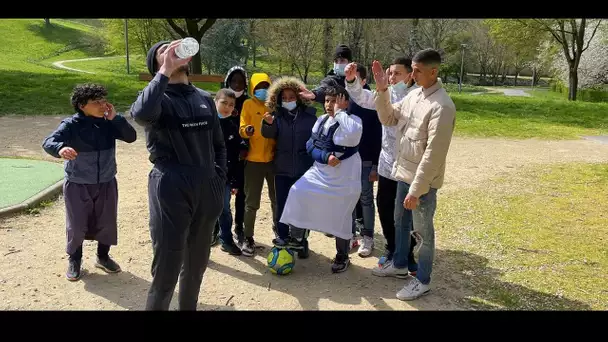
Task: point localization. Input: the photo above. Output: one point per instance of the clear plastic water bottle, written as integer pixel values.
(187, 48)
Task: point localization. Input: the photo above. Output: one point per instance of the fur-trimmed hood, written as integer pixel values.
(286, 82)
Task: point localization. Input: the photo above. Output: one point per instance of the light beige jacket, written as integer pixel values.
(425, 121)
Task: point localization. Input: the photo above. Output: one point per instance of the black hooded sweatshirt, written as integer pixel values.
(181, 125)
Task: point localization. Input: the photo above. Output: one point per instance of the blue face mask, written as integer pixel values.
(290, 105)
(339, 69)
(261, 94)
(400, 87)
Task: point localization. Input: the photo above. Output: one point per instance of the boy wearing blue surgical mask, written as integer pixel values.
(225, 101)
(259, 161)
(289, 122)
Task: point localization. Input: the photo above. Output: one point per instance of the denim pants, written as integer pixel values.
(367, 201)
(225, 219)
(422, 218)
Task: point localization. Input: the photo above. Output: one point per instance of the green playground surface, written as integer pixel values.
(20, 179)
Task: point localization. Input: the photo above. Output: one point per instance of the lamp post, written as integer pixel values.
(463, 46)
(127, 43)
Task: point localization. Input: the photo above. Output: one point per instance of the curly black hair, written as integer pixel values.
(337, 90)
(82, 93)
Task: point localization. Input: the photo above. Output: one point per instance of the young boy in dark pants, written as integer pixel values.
(87, 142)
(225, 101)
(236, 80)
(289, 122)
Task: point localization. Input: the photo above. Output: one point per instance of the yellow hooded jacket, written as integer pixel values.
(261, 150)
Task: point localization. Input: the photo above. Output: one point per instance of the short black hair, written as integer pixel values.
(225, 92)
(406, 62)
(427, 56)
(362, 70)
(82, 93)
(337, 90)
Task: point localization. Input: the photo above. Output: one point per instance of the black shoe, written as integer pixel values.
(215, 238)
(339, 264)
(73, 272)
(329, 235)
(280, 243)
(231, 248)
(108, 265)
(303, 254)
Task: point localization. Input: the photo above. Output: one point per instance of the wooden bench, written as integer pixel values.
(193, 78)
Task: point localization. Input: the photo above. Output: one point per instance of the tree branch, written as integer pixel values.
(206, 26)
(177, 29)
(593, 34)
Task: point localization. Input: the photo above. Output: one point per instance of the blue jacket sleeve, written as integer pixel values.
(147, 108)
(317, 154)
(58, 139)
(123, 129)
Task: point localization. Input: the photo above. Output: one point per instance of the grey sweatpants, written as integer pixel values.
(91, 213)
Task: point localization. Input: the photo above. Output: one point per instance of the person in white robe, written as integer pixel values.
(324, 198)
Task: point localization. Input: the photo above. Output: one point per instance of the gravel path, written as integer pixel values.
(33, 261)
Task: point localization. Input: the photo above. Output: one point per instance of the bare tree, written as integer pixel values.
(196, 31)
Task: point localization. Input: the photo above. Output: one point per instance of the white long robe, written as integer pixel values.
(324, 198)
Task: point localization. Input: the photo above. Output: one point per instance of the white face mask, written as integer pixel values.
(238, 93)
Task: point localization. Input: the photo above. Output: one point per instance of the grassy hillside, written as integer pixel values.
(31, 85)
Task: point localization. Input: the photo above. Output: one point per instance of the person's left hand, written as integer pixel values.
(373, 176)
(234, 191)
(410, 202)
(341, 102)
(111, 111)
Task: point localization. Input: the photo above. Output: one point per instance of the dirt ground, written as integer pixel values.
(33, 260)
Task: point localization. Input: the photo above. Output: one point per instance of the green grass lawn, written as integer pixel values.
(23, 178)
(535, 241)
(32, 86)
(527, 117)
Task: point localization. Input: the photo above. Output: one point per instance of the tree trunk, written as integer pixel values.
(326, 46)
(197, 67)
(573, 81)
(253, 44)
(47, 21)
(533, 77)
(413, 44)
(516, 74)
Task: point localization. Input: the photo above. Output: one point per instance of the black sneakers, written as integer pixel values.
(304, 252)
(73, 272)
(340, 264)
(107, 264)
(231, 248)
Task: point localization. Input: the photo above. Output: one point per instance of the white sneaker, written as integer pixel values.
(413, 289)
(366, 247)
(389, 270)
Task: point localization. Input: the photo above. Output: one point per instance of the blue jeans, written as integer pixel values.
(422, 218)
(226, 217)
(367, 201)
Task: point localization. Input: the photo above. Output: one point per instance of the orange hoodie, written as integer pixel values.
(261, 150)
